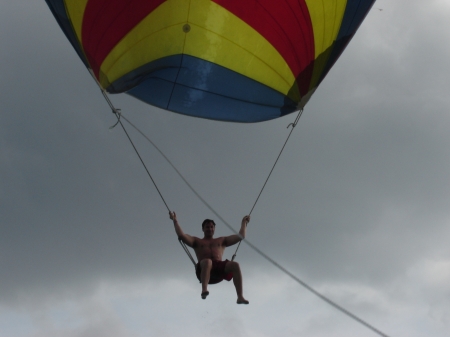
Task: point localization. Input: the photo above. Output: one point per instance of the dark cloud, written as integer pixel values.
(357, 203)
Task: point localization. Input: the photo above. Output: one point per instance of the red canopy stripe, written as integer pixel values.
(98, 38)
(280, 23)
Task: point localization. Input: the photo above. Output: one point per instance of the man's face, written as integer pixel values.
(208, 229)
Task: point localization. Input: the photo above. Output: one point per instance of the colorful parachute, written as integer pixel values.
(232, 60)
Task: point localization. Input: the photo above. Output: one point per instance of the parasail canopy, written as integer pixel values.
(231, 60)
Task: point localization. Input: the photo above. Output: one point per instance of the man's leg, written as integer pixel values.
(206, 266)
(234, 268)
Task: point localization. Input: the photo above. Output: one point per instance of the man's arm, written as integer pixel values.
(233, 239)
(187, 239)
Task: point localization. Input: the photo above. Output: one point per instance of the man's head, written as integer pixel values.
(208, 227)
(207, 221)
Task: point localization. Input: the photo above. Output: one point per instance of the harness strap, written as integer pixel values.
(187, 251)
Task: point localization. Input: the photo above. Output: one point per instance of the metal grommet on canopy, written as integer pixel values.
(186, 28)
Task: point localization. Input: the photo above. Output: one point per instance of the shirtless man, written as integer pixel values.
(209, 253)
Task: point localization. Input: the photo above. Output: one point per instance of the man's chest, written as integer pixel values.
(210, 245)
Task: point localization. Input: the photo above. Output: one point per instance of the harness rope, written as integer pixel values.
(119, 116)
(270, 173)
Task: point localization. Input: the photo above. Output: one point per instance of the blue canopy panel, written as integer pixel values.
(203, 89)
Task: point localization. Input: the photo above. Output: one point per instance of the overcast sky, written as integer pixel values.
(358, 206)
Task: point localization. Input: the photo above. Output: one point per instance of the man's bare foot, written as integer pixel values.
(204, 294)
(242, 301)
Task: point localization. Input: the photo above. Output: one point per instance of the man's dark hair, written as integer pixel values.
(207, 221)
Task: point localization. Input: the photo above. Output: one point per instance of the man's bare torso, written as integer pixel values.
(209, 248)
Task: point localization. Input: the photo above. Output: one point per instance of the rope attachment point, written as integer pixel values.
(118, 113)
(296, 120)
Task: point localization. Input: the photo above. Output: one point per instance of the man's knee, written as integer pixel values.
(232, 266)
(206, 263)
